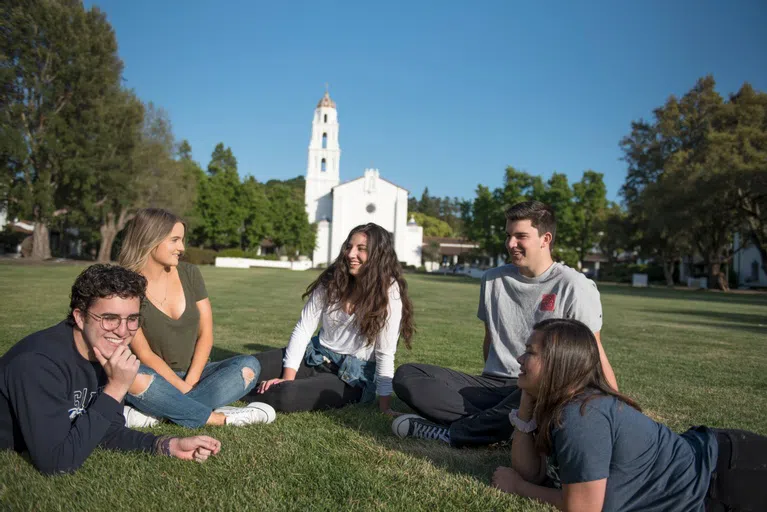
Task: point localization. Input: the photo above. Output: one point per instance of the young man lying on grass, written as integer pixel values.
(61, 388)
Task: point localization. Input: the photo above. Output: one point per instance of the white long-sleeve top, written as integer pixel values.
(340, 334)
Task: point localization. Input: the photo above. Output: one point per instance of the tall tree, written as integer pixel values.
(192, 175)
(486, 222)
(558, 194)
(140, 170)
(257, 222)
(616, 232)
(57, 60)
(739, 157)
(289, 225)
(590, 196)
(679, 186)
(646, 151)
(429, 205)
(116, 182)
(432, 226)
(218, 202)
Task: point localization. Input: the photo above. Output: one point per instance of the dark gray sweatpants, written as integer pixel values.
(475, 407)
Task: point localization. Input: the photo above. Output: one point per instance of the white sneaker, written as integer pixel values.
(266, 409)
(137, 419)
(257, 412)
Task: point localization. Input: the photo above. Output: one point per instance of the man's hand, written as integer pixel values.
(266, 384)
(506, 479)
(121, 369)
(197, 448)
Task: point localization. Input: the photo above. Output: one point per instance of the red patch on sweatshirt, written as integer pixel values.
(548, 301)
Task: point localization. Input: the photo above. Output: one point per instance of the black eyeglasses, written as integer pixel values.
(110, 322)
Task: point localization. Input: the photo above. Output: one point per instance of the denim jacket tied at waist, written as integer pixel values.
(353, 371)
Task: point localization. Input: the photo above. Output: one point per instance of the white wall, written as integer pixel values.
(744, 261)
(248, 263)
(412, 254)
(350, 209)
(321, 255)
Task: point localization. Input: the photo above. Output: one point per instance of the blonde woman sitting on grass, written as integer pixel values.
(176, 380)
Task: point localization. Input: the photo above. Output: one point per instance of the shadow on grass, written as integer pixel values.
(750, 322)
(366, 420)
(255, 348)
(756, 298)
(446, 278)
(220, 353)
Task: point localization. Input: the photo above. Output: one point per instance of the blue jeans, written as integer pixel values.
(221, 383)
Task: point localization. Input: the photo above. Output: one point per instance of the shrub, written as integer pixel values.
(200, 256)
(233, 253)
(239, 253)
(622, 272)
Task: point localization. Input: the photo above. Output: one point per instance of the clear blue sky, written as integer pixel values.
(443, 94)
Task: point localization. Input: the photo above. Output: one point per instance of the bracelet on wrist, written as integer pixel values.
(526, 427)
(162, 445)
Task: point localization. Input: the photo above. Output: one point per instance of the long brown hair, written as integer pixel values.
(570, 365)
(148, 228)
(368, 291)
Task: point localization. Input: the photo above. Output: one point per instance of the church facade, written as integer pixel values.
(338, 207)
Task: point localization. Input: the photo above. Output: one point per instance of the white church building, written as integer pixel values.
(338, 207)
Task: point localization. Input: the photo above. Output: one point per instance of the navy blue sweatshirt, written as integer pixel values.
(52, 405)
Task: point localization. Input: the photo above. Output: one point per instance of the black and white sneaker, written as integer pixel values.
(412, 425)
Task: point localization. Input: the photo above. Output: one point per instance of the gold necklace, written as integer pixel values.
(165, 298)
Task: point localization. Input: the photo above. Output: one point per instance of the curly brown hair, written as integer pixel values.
(368, 291)
(102, 281)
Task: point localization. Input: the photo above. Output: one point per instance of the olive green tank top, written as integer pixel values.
(174, 340)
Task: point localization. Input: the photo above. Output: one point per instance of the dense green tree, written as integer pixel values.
(486, 223)
(556, 192)
(218, 202)
(257, 223)
(192, 175)
(146, 175)
(616, 232)
(589, 206)
(680, 187)
(116, 182)
(429, 205)
(289, 224)
(57, 61)
(738, 159)
(432, 226)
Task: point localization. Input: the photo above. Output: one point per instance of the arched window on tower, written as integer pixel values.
(324, 141)
(325, 119)
(323, 165)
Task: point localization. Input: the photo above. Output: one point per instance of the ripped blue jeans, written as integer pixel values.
(221, 383)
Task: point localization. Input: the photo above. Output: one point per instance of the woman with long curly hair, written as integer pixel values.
(362, 303)
(176, 379)
(580, 445)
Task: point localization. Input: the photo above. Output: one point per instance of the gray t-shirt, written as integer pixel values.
(510, 304)
(648, 467)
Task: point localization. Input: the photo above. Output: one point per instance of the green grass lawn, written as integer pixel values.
(690, 358)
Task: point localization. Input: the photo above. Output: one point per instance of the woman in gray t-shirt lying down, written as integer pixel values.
(579, 445)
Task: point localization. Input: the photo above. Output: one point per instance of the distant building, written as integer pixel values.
(338, 207)
(450, 251)
(748, 264)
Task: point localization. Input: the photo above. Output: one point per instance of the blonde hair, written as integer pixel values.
(146, 231)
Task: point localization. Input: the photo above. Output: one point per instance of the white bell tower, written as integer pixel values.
(324, 159)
